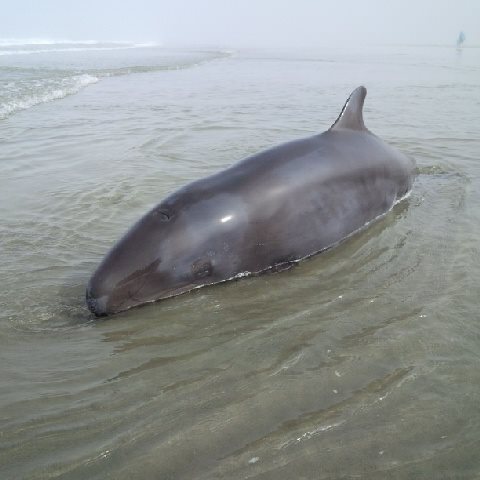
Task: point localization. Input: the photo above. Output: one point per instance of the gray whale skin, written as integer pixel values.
(264, 213)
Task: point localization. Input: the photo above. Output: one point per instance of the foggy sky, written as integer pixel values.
(245, 23)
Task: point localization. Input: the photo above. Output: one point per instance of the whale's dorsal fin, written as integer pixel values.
(351, 116)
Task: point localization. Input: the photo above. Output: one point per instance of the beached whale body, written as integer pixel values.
(263, 213)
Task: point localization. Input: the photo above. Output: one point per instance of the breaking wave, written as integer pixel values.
(30, 46)
(45, 91)
(25, 83)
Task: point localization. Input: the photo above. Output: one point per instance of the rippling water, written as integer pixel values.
(362, 362)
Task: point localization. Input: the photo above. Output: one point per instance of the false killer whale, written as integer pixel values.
(264, 213)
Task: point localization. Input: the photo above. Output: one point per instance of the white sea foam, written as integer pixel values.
(29, 81)
(49, 50)
(46, 91)
(68, 49)
(12, 42)
(30, 46)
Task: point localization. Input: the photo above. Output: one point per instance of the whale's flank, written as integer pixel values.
(267, 211)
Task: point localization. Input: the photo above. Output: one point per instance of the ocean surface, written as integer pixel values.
(361, 363)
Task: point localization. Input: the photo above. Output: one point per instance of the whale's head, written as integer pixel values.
(134, 268)
(169, 251)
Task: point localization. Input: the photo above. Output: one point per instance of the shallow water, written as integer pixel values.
(362, 362)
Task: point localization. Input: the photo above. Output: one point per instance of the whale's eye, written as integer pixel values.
(202, 268)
